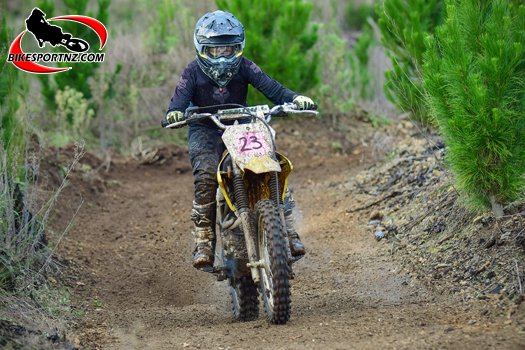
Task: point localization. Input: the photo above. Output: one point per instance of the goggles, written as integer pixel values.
(221, 51)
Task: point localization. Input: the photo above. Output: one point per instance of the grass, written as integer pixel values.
(337, 146)
(433, 250)
(378, 120)
(391, 155)
(29, 291)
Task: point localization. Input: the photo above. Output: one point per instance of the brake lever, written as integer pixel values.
(277, 111)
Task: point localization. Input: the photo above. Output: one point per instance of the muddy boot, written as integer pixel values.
(296, 246)
(204, 234)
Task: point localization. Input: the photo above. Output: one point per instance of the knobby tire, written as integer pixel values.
(244, 298)
(271, 248)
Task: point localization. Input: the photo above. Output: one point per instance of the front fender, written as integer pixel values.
(262, 164)
(256, 176)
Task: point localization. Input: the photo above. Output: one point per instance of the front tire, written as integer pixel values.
(275, 284)
(245, 299)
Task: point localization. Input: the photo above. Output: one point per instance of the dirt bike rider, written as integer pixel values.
(220, 75)
(43, 31)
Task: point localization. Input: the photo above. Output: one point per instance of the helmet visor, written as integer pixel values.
(221, 51)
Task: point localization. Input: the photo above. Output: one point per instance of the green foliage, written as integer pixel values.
(475, 80)
(404, 24)
(279, 39)
(162, 31)
(334, 95)
(80, 72)
(73, 117)
(361, 47)
(378, 120)
(346, 75)
(356, 16)
(337, 146)
(13, 88)
(170, 27)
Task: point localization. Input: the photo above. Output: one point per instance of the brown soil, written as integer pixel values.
(137, 289)
(434, 235)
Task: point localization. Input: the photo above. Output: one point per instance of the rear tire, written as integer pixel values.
(275, 284)
(245, 299)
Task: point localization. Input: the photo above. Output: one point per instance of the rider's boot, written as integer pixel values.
(296, 246)
(203, 217)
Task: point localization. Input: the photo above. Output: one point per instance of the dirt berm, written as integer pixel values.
(136, 289)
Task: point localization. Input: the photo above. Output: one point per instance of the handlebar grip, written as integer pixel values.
(164, 123)
(314, 108)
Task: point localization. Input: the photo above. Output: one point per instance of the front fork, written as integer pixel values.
(250, 236)
(243, 208)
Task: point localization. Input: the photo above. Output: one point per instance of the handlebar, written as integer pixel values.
(239, 113)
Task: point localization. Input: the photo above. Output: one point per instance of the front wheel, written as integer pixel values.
(275, 285)
(245, 299)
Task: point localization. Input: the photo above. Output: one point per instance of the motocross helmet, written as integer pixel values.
(219, 41)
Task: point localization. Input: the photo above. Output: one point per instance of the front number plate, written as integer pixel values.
(251, 143)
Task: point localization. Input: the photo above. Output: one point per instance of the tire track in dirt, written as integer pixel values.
(134, 239)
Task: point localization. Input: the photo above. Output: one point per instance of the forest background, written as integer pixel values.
(115, 104)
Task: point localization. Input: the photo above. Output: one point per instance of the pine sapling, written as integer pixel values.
(475, 79)
(404, 24)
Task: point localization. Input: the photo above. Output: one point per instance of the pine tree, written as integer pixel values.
(475, 79)
(404, 25)
(279, 39)
(356, 16)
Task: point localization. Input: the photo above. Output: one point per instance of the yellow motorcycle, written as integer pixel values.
(252, 179)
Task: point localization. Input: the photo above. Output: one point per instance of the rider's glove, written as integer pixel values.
(303, 102)
(172, 117)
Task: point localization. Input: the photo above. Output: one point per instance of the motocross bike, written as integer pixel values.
(252, 179)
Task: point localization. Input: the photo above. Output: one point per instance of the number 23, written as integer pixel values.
(253, 139)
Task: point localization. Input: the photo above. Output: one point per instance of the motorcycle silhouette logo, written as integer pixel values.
(44, 32)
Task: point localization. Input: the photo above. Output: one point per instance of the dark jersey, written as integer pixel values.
(196, 87)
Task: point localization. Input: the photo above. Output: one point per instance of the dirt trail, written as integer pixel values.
(133, 237)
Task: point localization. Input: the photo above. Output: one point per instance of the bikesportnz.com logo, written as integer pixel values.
(44, 33)
(56, 57)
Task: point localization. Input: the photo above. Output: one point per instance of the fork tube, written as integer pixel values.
(275, 191)
(244, 212)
